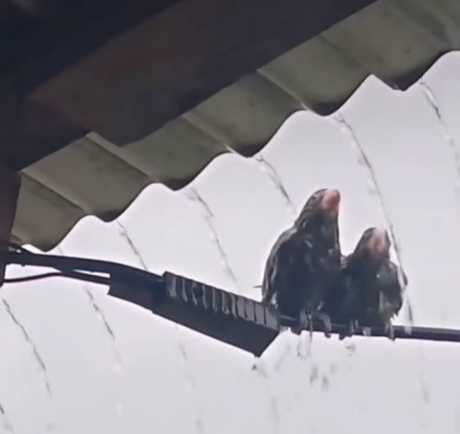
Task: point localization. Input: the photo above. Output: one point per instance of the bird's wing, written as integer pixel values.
(276, 265)
(344, 296)
(392, 292)
(351, 299)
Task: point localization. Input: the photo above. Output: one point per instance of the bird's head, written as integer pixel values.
(323, 204)
(374, 244)
(319, 216)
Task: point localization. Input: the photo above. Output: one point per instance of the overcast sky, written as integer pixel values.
(81, 362)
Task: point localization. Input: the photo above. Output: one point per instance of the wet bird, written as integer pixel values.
(391, 291)
(305, 261)
(368, 291)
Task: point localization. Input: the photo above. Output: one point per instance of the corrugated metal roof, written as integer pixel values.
(395, 40)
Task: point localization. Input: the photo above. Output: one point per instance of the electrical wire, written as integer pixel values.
(70, 275)
(67, 272)
(132, 284)
(18, 248)
(68, 264)
(32, 277)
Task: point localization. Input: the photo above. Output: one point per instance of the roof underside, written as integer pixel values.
(397, 41)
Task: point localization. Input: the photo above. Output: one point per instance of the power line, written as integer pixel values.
(225, 316)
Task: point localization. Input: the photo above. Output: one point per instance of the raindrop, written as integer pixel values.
(325, 383)
(283, 356)
(50, 427)
(361, 161)
(199, 425)
(304, 345)
(333, 369)
(351, 348)
(314, 374)
(260, 367)
(367, 331)
(7, 427)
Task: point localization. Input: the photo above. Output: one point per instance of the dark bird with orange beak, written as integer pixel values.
(368, 292)
(305, 261)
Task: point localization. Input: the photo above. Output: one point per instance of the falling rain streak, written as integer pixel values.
(108, 328)
(199, 424)
(194, 196)
(103, 319)
(98, 311)
(37, 356)
(275, 178)
(431, 100)
(7, 426)
(125, 235)
(346, 128)
(189, 378)
(303, 345)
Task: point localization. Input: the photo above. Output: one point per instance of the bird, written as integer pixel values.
(391, 282)
(304, 262)
(368, 290)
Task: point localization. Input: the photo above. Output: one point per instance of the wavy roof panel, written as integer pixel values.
(397, 41)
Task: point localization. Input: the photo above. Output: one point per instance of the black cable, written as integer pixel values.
(71, 275)
(134, 278)
(68, 264)
(400, 332)
(67, 272)
(19, 248)
(32, 277)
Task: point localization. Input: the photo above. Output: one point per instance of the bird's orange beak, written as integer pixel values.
(330, 202)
